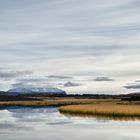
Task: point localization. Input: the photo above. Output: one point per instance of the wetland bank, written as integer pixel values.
(107, 106)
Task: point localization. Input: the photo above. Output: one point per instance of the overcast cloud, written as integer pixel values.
(13, 74)
(103, 79)
(133, 86)
(78, 38)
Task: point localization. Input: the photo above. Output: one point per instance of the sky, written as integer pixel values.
(79, 46)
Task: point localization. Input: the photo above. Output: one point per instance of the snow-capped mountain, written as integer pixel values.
(49, 91)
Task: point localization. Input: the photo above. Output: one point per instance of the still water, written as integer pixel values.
(49, 124)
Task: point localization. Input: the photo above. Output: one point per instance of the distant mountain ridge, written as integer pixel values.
(49, 91)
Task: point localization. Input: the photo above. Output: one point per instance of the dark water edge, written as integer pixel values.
(102, 116)
(28, 107)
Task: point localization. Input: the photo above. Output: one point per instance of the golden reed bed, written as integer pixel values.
(113, 111)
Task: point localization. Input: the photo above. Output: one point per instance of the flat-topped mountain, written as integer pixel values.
(47, 91)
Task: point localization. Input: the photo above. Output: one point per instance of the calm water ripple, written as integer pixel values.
(49, 124)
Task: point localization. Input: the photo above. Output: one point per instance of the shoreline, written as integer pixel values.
(80, 106)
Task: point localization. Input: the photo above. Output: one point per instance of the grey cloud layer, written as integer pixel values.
(13, 74)
(100, 79)
(71, 84)
(59, 77)
(134, 86)
(82, 27)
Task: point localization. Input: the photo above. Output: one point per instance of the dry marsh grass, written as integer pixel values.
(46, 102)
(104, 110)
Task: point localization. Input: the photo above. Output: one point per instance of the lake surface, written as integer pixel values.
(49, 124)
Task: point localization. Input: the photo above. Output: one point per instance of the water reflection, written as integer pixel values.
(49, 124)
(104, 117)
